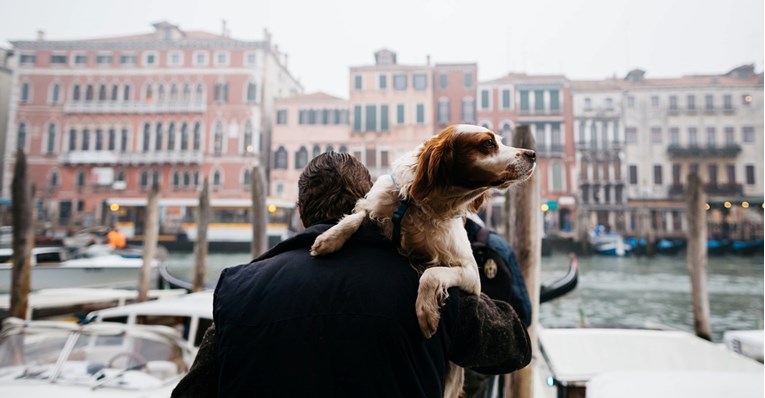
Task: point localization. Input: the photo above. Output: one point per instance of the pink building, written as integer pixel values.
(103, 119)
(543, 103)
(305, 126)
(454, 93)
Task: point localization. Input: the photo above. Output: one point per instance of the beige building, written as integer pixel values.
(711, 125)
(391, 110)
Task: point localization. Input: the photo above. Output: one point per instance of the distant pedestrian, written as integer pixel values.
(116, 238)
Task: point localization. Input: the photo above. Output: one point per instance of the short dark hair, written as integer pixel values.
(329, 187)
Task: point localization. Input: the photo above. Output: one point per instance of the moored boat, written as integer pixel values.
(97, 266)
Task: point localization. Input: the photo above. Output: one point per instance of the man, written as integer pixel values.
(343, 325)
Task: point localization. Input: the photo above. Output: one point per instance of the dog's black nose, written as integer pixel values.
(530, 154)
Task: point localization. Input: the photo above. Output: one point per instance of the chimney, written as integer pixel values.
(40, 35)
(427, 59)
(224, 29)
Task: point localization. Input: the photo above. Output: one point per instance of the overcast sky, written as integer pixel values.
(581, 39)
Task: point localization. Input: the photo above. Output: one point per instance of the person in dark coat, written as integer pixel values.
(342, 325)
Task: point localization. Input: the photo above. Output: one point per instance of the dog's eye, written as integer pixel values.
(489, 144)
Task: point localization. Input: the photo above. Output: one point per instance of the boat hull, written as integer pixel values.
(51, 277)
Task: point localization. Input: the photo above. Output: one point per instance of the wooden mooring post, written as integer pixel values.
(23, 238)
(525, 239)
(150, 236)
(697, 255)
(200, 246)
(259, 212)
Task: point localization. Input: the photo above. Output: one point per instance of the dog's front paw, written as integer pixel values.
(431, 295)
(324, 245)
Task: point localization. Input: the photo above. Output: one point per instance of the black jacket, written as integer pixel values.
(344, 325)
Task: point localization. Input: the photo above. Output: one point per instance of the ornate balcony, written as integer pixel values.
(106, 107)
(119, 158)
(725, 151)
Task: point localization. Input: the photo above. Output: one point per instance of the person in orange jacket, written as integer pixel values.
(116, 238)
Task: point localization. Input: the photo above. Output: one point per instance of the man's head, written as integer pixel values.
(329, 187)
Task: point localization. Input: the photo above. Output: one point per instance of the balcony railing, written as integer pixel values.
(726, 151)
(134, 107)
(676, 190)
(550, 149)
(550, 111)
(108, 157)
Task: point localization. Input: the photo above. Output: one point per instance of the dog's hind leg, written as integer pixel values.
(334, 238)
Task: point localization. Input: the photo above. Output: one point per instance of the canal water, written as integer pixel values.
(617, 291)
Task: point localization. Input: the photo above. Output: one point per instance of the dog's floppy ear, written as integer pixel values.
(479, 202)
(434, 166)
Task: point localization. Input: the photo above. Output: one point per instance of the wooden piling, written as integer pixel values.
(259, 212)
(697, 255)
(150, 236)
(525, 240)
(201, 246)
(23, 238)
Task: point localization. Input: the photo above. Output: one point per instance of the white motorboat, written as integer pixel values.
(98, 266)
(609, 363)
(63, 359)
(608, 243)
(192, 314)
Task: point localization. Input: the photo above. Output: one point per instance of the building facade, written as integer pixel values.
(103, 119)
(305, 126)
(599, 135)
(708, 125)
(544, 104)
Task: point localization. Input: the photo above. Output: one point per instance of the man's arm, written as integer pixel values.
(489, 336)
(202, 379)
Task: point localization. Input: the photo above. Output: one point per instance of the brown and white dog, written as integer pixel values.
(444, 179)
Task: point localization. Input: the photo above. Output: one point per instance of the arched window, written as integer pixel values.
(247, 141)
(86, 140)
(158, 141)
(126, 93)
(149, 93)
(184, 136)
(26, 91)
(557, 182)
(76, 93)
(197, 136)
(252, 93)
(200, 93)
(53, 179)
(80, 179)
(246, 178)
(144, 180)
(218, 139)
(186, 179)
(124, 140)
(146, 137)
(316, 151)
(280, 158)
(99, 140)
(102, 92)
(171, 137)
(51, 139)
(155, 177)
(186, 92)
(72, 140)
(176, 179)
(216, 179)
(343, 149)
(89, 92)
(330, 148)
(301, 158)
(55, 93)
(115, 92)
(22, 136)
(161, 93)
(112, 144)
(173, 92)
